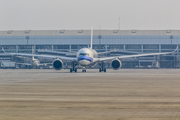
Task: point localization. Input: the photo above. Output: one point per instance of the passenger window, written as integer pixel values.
(83, 54)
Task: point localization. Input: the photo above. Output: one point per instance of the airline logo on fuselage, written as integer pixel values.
(85, 58)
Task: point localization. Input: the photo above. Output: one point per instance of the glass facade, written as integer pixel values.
(44, 47)
(78, 46)
(61, 46)
(150, 46)
(133, 47)
(115, 47)
(168, 46)
(139, 43)
(102, 47)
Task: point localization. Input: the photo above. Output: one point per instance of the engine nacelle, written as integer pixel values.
(57, 64)
(116, 64)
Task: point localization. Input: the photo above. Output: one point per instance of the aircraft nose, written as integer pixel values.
(84, 62)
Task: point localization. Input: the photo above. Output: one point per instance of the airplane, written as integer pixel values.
(34, 63)
(89, 57)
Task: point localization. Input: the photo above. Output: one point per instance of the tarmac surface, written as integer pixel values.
(126, 94)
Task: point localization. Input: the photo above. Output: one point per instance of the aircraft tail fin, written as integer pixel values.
(3, 50)
(91, 37)
(33, 52)
(175, 49)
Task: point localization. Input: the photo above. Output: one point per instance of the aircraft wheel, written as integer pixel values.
(75, 70)
(26, 67)
(70, 70)
(99, 70)
(104, 70)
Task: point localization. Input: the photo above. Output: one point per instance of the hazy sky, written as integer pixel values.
(81, 14)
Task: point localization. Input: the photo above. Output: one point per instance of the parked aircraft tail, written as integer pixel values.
(3, 50)
(91, 37)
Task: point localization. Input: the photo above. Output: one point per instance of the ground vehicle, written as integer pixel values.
(8, 64)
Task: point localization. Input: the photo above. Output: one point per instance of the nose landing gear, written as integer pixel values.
(84, 69)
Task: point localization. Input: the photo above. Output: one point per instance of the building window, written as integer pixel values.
(150, 46)
(115, 46)
(61, 46)
(8, 46)
(25, 47)
(168, 46)
(151, 51)
(99, 46)
(78, 46)
(133, 46)
(43, 47)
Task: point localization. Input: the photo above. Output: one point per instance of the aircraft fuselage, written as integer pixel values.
(85, 56)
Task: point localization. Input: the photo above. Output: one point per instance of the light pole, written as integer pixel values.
(99, 37)
(171, 37)
(27, 38)
(119, 23)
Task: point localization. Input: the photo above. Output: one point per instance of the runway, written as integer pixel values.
(126, 94)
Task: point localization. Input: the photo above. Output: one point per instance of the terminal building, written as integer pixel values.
(135, 41)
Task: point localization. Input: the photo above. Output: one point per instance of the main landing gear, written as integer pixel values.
(102, 67)
(101, 70)
(73, 69)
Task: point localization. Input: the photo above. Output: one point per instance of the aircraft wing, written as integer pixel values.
(44, 64)
(45, 56)
(118, 52)
(107, 52)
(129, 56)
(23, 64)
(56, 52)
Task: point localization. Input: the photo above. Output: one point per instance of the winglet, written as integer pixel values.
(3, 50)
(175, 50)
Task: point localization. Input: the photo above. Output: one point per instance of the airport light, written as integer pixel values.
(119, 23)
(27, 38)
(171, 37)
(99, 37)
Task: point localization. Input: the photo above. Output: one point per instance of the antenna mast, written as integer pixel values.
(91, 37)
(119, 23)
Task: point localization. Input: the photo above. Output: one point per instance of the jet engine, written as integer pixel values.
(57, 64)
(116, 64)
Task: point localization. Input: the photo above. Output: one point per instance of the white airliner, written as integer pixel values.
(34, 63)
(88, 57)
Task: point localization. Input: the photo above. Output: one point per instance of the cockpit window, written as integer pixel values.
(83, 54)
